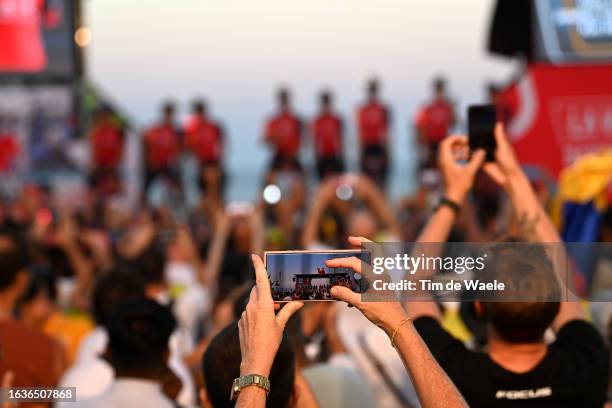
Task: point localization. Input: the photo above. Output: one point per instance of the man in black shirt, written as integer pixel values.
(573, 371)
(518, 368)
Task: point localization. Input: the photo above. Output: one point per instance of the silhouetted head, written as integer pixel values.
(199, 107)
(439, 86)
(168, 112)
(150, 264)
(138, 332)
(284, 98)
(325, 100)
(36, 305)
(112, 288)
(373, 88)
(521, 321)
(221, 365)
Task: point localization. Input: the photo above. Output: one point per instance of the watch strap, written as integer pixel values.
(445, 201)
(249, 380)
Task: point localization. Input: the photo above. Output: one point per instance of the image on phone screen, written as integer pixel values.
(481, 128)
(303, 275)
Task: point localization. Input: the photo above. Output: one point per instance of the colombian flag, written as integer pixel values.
(585, 190)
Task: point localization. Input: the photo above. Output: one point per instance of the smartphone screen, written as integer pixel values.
(481, 127)
(303, 275)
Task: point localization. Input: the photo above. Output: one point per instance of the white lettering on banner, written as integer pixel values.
(524, 394)
(17, 9)
(581, 124)
(587, 122)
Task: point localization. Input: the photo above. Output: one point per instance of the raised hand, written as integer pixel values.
(505, 164)
(458, 177)
(259, 328)
(385, 314)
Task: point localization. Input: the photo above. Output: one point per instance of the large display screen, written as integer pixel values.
(574, 30)
(37, 39)
(40, 120)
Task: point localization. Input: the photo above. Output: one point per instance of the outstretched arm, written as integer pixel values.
(434, 388)
(507, 172)
(379, 205)
(324, 194)
(214, 257)
(458, 180)
(261, 333)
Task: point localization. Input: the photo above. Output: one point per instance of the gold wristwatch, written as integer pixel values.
(247, 381)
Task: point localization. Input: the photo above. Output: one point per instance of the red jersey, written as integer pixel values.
(162, 146)
(9, 148)
(437, 119)
(327, 132)
(205, 139)
(22, 46)
(373, 123)
(107, 145)
(420, 119)
(284, 133)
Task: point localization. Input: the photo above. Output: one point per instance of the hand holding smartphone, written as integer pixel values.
(304, 276)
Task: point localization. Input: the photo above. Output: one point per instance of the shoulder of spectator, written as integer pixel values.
(442, 344)
(577, 332)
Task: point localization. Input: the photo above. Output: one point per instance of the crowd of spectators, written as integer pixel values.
(160, 307)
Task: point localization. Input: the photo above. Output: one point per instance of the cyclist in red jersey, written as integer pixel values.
(373, 120)
(433, 122)
(22, 47)
(205, 139)
(327, 131)
(283, 133)
(162, 147)
(106, 139)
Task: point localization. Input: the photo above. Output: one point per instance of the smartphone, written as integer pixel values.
(481, 128)
(303, 275)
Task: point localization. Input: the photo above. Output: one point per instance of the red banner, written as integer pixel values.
(558, 113)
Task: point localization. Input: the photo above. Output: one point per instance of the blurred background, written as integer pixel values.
(165, 141)
(236, 55)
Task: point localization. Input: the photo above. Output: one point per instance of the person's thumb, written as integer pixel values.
(477, 160)
(346, 295)
(500, 132)
(287, 311)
